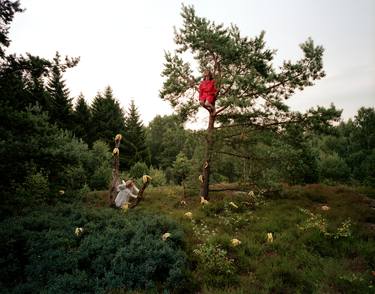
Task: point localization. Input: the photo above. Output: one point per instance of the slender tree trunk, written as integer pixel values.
(207, 157)
(115, 172)
(140, 195)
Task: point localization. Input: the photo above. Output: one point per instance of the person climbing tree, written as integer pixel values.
(126, 190)
(207, 91)
(252, 90)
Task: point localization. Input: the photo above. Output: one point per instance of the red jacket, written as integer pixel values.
(207, 91)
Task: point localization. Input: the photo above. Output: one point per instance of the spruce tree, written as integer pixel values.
(107, 118)
(82, 119)
(61, 106)
(134, 140)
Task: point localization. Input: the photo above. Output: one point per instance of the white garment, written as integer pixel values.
(124, 194)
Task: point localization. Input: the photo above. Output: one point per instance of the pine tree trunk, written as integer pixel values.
(207, 157)
(115, 173)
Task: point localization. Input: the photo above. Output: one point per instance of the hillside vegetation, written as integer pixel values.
(311, 250)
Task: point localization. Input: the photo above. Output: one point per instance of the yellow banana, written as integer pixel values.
(235, 242)
(146, 178)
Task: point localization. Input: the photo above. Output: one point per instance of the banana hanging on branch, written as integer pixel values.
(118, 137)
(146, 178)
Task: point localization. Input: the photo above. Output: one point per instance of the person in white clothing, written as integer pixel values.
(126, 190)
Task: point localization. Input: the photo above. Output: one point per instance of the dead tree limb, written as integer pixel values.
(115, 171)
(140, 193)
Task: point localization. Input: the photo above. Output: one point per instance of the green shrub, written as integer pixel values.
(333, 167)
(33, 191)
(216, 267)
(73, 177)
(98, 167)
(114, 251)
(138, 170)
(100, 178)
(181, 168)
(158, 177)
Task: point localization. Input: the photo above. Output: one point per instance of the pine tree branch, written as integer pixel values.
(280, 83)
(221, 110)
(234, 154)
(258, 126)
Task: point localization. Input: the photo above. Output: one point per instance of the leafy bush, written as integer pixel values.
(217, 268)
(100, 178)
(158, 177)
(181, 168)
(333, 167)
(113, 251)
(29, 144)
(73, 177)
(138, 170)
(99, 168)
(33, 191)
(366, 171)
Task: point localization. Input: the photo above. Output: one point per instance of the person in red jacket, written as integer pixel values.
(207, 91)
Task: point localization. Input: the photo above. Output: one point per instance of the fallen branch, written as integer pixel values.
(228, 189)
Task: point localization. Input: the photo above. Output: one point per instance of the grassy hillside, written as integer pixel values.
(315, 249)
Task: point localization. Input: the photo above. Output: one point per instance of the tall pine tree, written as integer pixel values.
(82, 119)
(135, 148)
(107, 118)
(251, 90)
(61, 107)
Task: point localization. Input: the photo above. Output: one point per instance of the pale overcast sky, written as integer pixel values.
(122, 43)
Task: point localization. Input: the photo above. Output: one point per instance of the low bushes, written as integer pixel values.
(112, 251)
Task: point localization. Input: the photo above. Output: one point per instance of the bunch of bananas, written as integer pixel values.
(116, 151)
(78, 231)
(235, 242)
(146, 178)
